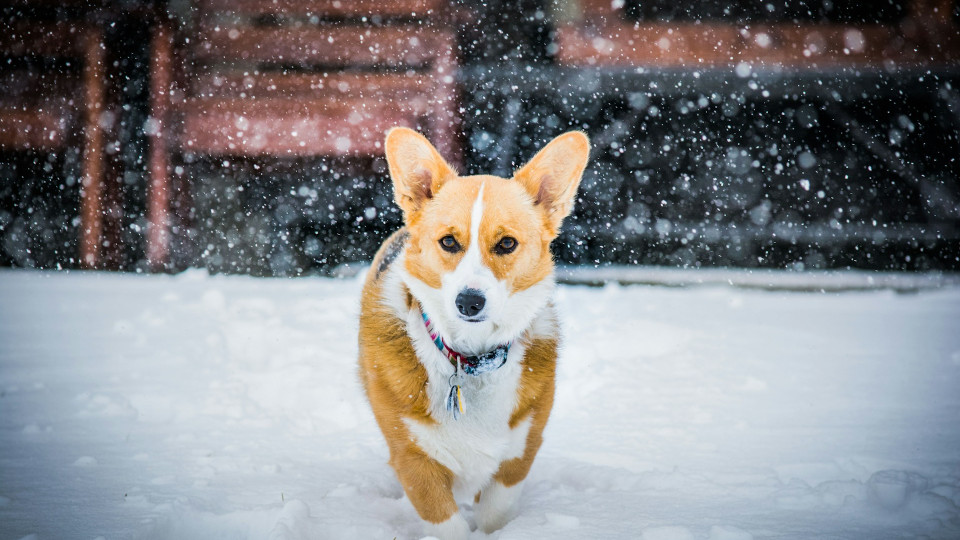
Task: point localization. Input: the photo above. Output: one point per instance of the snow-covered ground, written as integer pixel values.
(229, 407)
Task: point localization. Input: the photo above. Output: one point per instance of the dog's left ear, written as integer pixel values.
(553, 175)
(417, 169)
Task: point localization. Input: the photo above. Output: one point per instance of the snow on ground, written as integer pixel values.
(228, 407)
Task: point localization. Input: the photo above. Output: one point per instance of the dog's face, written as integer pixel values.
(478, 258)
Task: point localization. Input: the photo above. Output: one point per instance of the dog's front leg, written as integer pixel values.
(496, 505)
(497, 502)
(429, 485)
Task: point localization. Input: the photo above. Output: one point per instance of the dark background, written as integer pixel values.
(689, 168)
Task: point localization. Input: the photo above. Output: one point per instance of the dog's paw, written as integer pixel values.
(496, 506)
(455, 528)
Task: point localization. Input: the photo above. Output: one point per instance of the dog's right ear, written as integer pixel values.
(416, 167)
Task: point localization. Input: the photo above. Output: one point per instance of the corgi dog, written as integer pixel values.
(458, 333)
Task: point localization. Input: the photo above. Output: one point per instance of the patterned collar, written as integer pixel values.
(471, 365)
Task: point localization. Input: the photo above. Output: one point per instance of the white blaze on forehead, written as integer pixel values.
(471, 273)
(476, 215)
(471, 269)
(504, 315)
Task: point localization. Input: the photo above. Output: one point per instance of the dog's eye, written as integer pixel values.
(450, 244)
(505, 245)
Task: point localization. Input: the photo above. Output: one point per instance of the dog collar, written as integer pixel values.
(471, 365)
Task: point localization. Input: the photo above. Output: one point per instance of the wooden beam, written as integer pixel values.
(42, 129)
(91, 190)
(61, 39)
(325, 8)
(292, 127)
(444, 119)
(405, 45)
(938, 11)
(655, 44)
(284, 106)
(690, 45)
(158, 191)
(309, 85)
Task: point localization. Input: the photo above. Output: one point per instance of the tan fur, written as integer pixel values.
(535, 401)
(508, 206)
(553, 175)
(437, 203)
(417, 168)
(394, 380)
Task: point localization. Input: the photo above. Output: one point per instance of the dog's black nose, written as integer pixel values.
(470, 302)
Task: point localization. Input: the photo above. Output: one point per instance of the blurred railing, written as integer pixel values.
(811, 140)
(244, 136)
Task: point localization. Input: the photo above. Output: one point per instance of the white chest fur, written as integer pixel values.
(473, 446)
